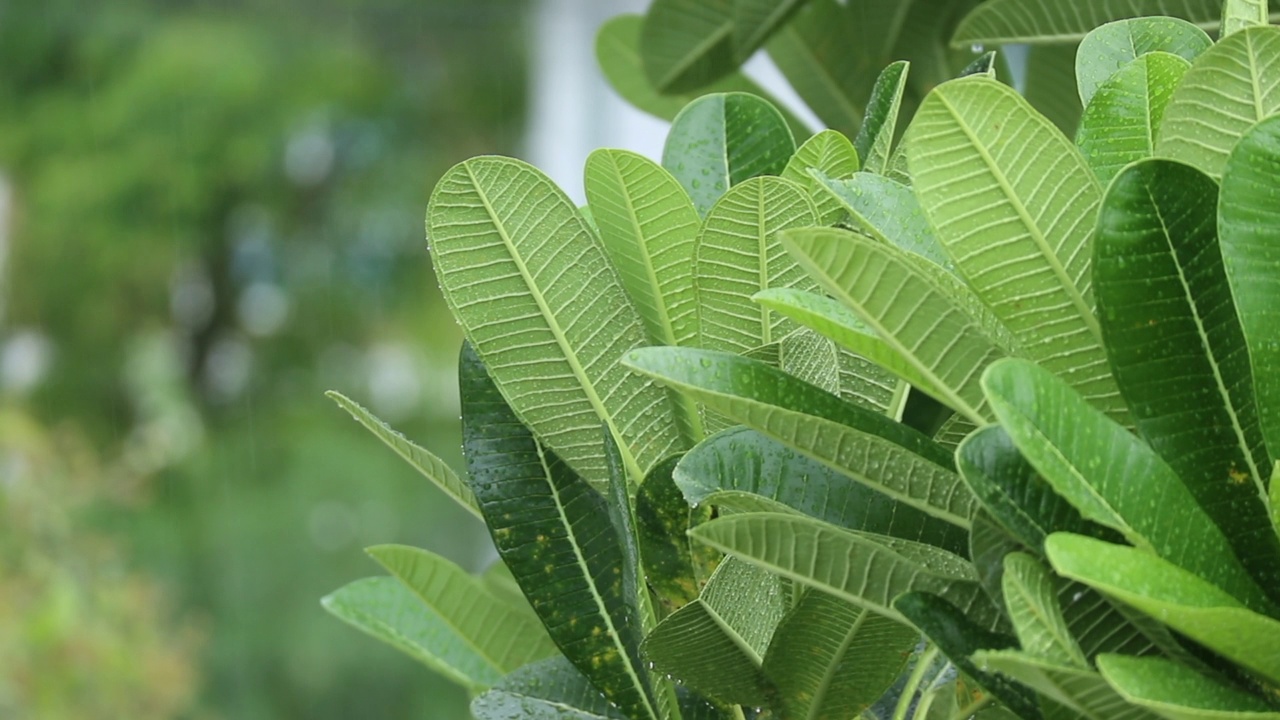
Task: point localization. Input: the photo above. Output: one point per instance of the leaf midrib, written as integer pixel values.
(571, 357)
(695, 53)
(829, 673)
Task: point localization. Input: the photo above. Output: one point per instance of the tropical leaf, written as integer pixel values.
(871, 448)
(865, 383)
(648, 227)
(555, 534)
(830, 153)
(737, 255)
(1081, 690)
(1228, 89)
(1032, 603)
(1016, 222)
(830, 660)
(888, 211)
(715, 645)
(984, 65)
(533, 289)
(906, 308)
(1108, 48)
(1250, 228)
(549, 690)
(1240, 14)
(662, 519)
(743, 460)
(1174, 691)
(384, 608)
(863, 568)
(953, 631)
(431, 467)
(1182, 600)
(999, 22)
(1111, 476)
(1177, 349)
(1123, 119)
(812, 358)
(686, 44)
(618, 55)
(875, 138)
(720, 140)
(988, 544)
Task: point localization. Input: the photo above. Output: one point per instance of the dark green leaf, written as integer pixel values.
(1050, 85)
(663, 516)
(875, 138)
(549, 690)
(1034, 21)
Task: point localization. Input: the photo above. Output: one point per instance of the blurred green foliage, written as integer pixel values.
(217, 216)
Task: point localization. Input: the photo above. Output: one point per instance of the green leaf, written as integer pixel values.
(888, 211)
(1175, 691)
(743, 460)
(715, 645)
(1110, 475)
(1107, 49)
(871, 448)
(988, 544)
(830, 153)
(507, 635)
(984, 65)
(875, 138)
(549, 690)
(830, 660)
(866, 569)
(686, 44)
(1081, 690)
(923, 41)
(1016, 222)
(1050, 85)
(662, 518)
(999, 22)
(554, 532)
(1240, 14)
(1177, 349)
(810, 357)
(718, 141)
(738, 255)
(384, 608)
(431, 467)
(618, 54)
(1228, 89)
(1031, 599)
(1182, 600)
(830, 52)
(907, 308)
(1249, 231)
(1123, 119)
(536, 295)
(956, 634)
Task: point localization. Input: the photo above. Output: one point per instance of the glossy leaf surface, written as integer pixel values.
(1108, 48)
(1081, 690)
(1122, 121)
(549, 690)
(662, 518)
(875, 138)
(1175, 691)
(1031, 600)
(1240, 14)
(888, 211)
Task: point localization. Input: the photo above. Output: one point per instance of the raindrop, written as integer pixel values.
(976, 48)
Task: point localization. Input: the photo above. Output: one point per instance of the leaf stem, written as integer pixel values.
(913, 682)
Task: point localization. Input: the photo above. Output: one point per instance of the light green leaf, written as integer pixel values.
(718, 141)
(1111, 476)
(875, 138)
(549, 690)
(537, 297)
(1249, 230)
(1175, 691)
(909, 310)
(833, 155)
(1080, 689)
(1016, 222)
(618, 54)
(830, 660)
(865, 383)
(1177, 350)
(431, 467)
(1031, 599)
(1180, 599)
(866, 569)
(887, 211)
(555, 534)
(1240, 14)
(1122, 121)
(737, 255)
(1106, 49)
(743, 460)
(870, 447)
(715, 645)
(384, 608)
(812, 358)
(686, 44)
(1228, 89)
(999, 22)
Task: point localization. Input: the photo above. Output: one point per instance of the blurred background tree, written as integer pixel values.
(210, 213)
